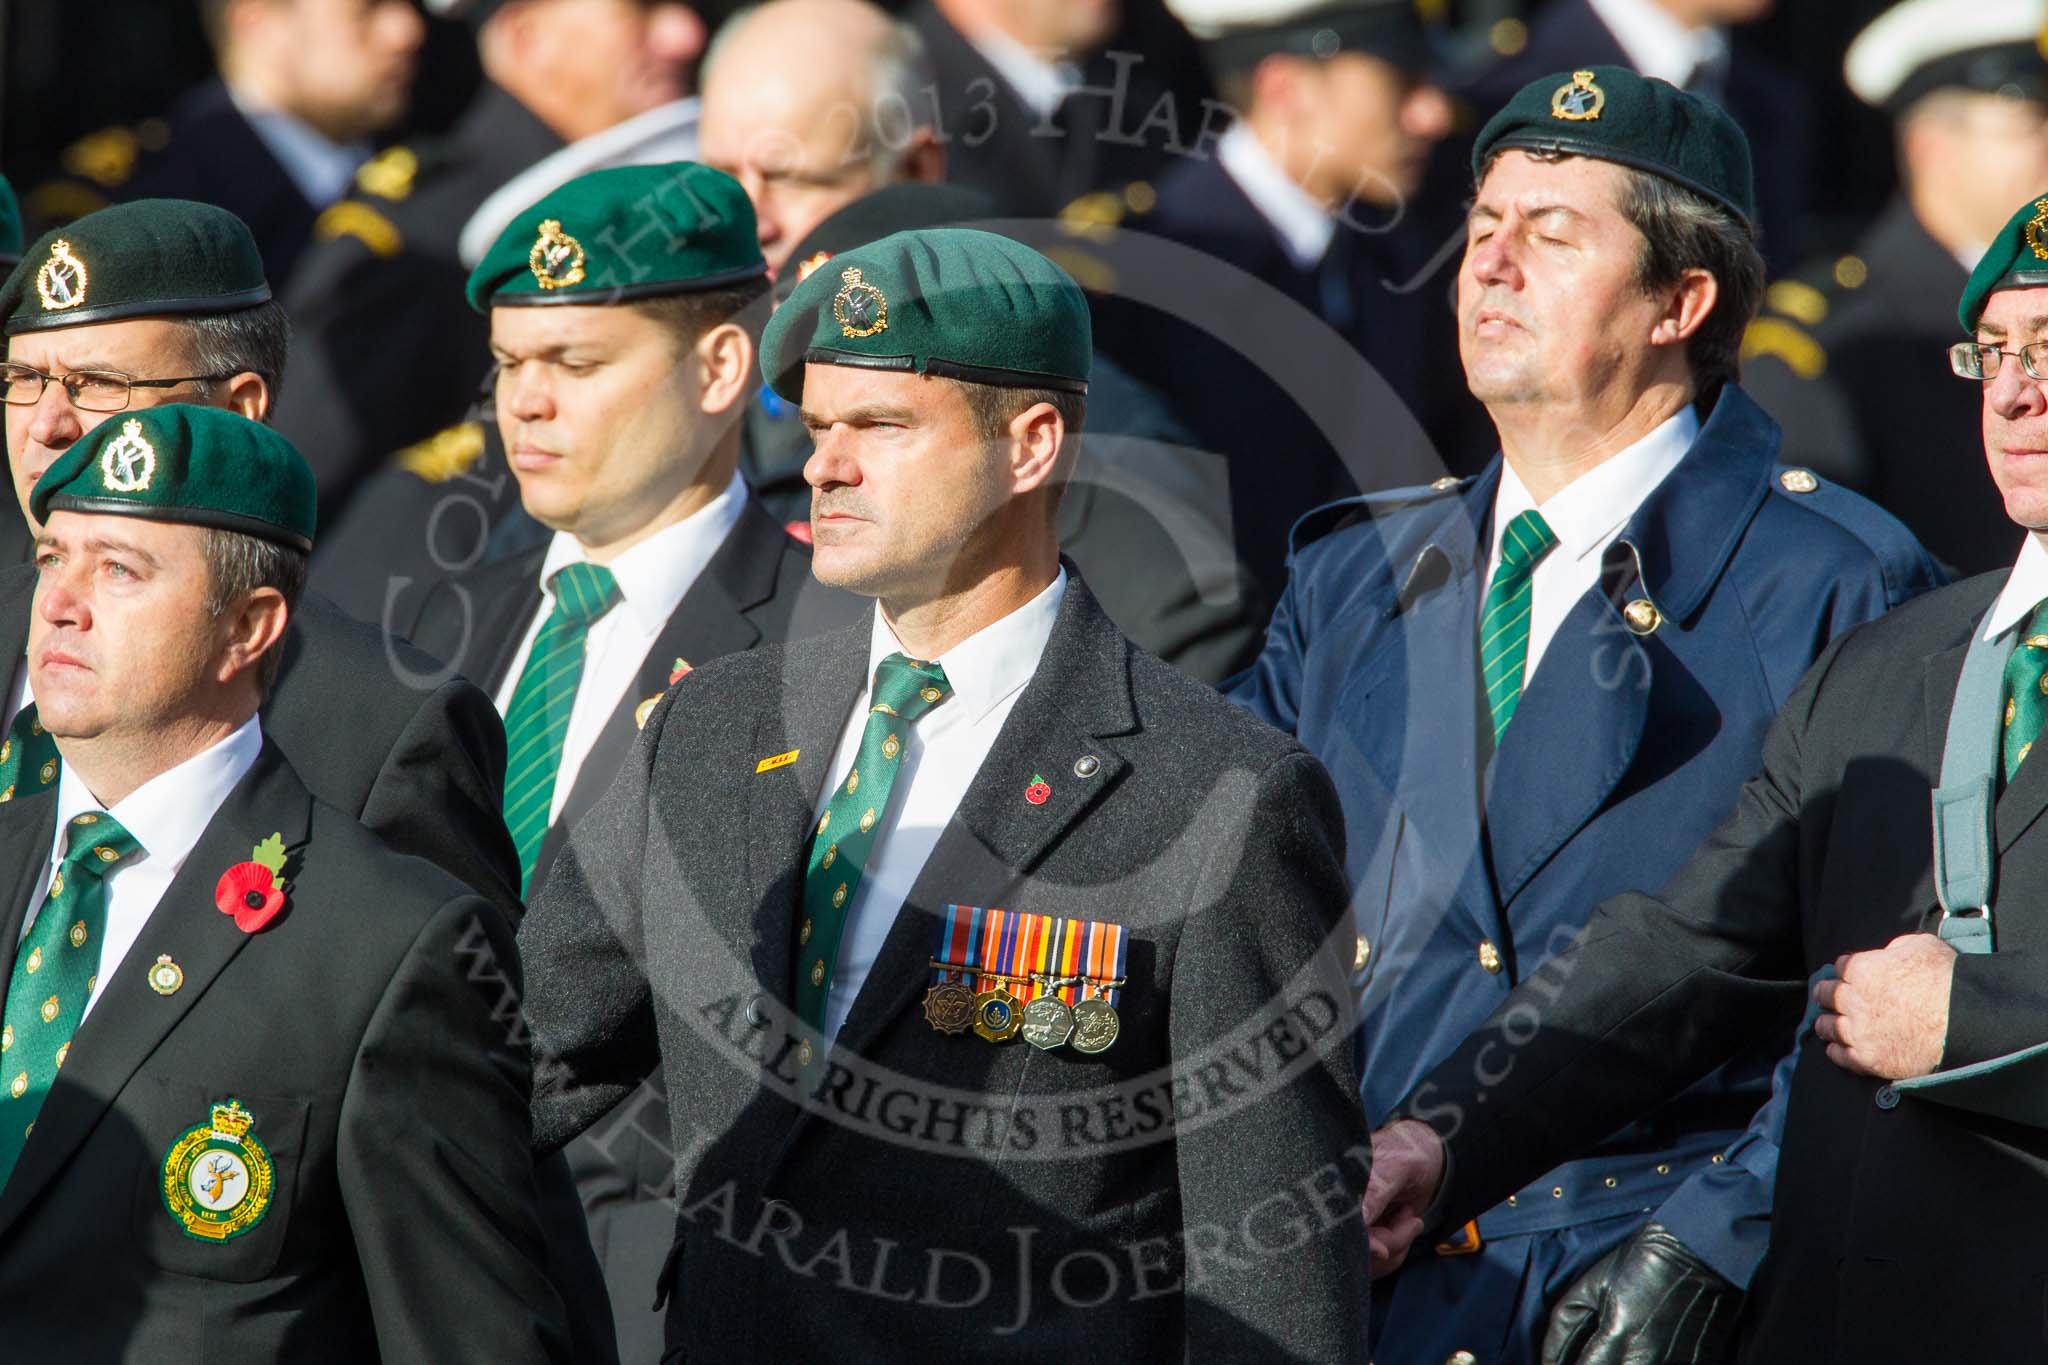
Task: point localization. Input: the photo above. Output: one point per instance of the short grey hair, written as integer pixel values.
(238, 564)
(254, 340)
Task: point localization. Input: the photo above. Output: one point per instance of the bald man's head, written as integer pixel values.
(811, 104)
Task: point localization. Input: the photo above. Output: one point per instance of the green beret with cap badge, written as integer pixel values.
(144, 258)
(184, 463)
(624, 233)
(1609, 113)
(953, 302)
(2016, 259)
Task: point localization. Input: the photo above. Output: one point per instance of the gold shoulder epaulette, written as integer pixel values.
(448, 453)
(389, 174)
(354, 218)
(107, 158)
(1797, 300)
(1775, 336)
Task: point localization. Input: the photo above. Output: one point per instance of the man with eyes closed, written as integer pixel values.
(1543, 685)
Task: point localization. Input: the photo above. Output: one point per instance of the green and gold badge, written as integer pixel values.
(218, 1177)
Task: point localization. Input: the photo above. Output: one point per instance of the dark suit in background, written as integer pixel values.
(371, 1030)
(666, 936)
(1882, 1195)
(757, 589)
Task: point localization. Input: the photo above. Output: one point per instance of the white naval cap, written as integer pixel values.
(1240, 32)
(1920, 46)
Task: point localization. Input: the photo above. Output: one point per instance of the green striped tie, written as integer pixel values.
(28, 756)
(904, 690)
(538, 719)
(1504, 625)
(2026, 705)
(54, 970)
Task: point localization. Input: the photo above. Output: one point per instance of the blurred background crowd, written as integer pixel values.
(1268, 230)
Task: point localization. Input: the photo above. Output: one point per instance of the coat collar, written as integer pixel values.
(130, 1021)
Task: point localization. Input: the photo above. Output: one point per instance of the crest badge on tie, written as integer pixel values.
(557, 258)
(218, 1178)
(61, 281)
(129, 460)
(861, 309)
(1579, 100)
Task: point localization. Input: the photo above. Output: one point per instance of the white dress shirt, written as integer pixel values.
(2026, 589)
(1585, 515)
(1304, 226)
(652, 578)
(1039, 83)
(166, 814)
(944, 750)
(1658, 45)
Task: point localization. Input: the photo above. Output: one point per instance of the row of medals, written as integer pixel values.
(1047, 1022)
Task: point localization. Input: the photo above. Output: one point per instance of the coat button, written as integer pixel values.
(1888, 1097)
(1361, 954)
(1798, 481)
(1642, 617)
(756, 1015)
(1461, 1358)
(1445, 484)
(1489, 956)
(1087, 765)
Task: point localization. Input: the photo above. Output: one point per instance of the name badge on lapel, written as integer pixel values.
(1003, 973)
(770, 764)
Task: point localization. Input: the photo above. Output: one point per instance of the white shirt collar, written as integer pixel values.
(1039, 83)
(1304, 226)
(168, 813)
(993, 662)
(654, 575)
(321, 170)
(1656, 43)
(1586, 513)
(2026, 589)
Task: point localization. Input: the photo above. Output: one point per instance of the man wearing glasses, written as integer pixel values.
(1915, 1153)
(165, 301)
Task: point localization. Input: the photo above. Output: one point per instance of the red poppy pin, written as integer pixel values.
(253, 892)
(1038, 792)
(679, 672)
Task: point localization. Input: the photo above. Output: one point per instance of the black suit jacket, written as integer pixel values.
(1883, 1198)
(1222, 1127)
(378, 730)
(756, 589)
(372, 1031)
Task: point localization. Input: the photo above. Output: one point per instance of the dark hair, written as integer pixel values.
(239, 564)
(255, 339)
(1685, 231)
(995, 406)
(689, 316)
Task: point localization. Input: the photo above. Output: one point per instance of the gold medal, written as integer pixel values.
(1048, 1022)
(949, 1007)
(997, 1015)
(1095, 1025)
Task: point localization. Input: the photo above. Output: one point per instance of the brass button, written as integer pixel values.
(1361, 954)
(803, 1054)
(1557, 1191)
(1717, 1158)
(1514, 1202)
(1663, 1169)
(1087, 765)
(1642, 617)
(1611, 1182)
(1461, 1358)
(1489, 956)
(1798, 481)
(1444, 485)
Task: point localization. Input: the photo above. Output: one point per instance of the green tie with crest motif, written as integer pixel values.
(28, 753)
(2026, 701)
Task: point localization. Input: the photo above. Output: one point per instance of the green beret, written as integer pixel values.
(1610, 113)
(630, 232)
(146, 258)
(185, 463)
(2018, 259)
(10, 224)
(953, 302)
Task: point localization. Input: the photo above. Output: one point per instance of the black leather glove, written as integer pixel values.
(1647, 1302)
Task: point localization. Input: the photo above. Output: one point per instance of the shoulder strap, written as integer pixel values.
(1963, 859)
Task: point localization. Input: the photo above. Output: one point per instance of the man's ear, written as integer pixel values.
(254, 628)
(1692, 301)
(725, 367)
(1037, 435)
(248, 393)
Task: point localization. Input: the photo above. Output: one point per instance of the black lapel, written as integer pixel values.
(502, 606)
(711, 621)
(17, 600)
(27, 829)
(130, 1018)
(1079, 697)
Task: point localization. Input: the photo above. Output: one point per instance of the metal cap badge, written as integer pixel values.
(61, 281)
(861, 309)
(129, 460)
(557, 258)
(1580, 100)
